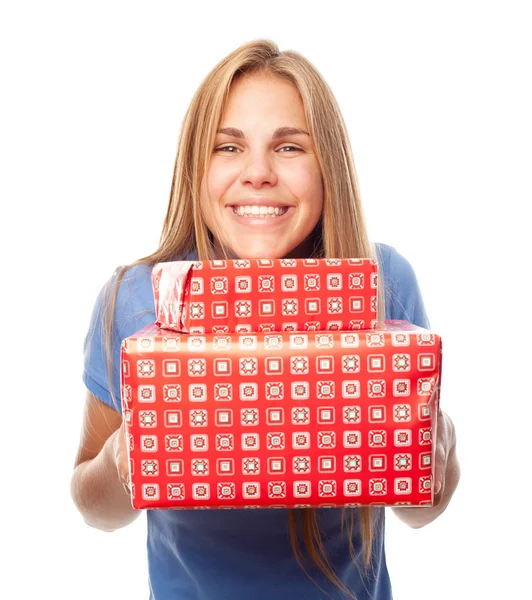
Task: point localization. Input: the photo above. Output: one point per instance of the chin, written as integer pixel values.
(262, 252)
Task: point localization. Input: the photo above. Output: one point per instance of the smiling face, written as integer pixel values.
(256, 164)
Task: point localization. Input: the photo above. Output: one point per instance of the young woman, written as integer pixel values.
(263, 170)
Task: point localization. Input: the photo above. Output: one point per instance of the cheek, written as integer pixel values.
(219, 180)
(306, 184)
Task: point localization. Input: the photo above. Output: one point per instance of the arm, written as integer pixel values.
(407, 303)
(96, 487)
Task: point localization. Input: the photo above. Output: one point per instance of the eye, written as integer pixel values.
(283, 148)
(225, 148)
(293, 147)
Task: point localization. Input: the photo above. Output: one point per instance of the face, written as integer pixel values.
(260, 169)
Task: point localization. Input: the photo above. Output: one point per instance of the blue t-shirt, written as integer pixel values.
(240, 554)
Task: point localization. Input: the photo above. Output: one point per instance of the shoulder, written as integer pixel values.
(393, 264)
(135, 305)
(396, 268)
(403, 294)
(135, 280)
(133, 309)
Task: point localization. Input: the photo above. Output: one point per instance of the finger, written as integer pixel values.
(438, 469)
(434, 400)
(124, 480)
(437, 481)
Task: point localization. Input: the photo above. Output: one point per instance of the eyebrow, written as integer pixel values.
(278, 133)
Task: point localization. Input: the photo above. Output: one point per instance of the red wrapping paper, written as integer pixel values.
(223, 296)
(302, 419)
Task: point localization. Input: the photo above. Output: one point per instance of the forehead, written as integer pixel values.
(263, 102)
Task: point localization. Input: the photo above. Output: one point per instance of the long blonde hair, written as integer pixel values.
(340, 233)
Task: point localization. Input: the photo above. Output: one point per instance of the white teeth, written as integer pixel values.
(268, 212)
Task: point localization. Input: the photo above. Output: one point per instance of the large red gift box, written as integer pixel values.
(281, 419)
(288, 294)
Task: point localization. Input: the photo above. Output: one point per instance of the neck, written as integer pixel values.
(303, 250)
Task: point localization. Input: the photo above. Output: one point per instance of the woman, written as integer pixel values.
(263, 170)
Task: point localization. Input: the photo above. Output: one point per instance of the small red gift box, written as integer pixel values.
(321, 419)
(223, 296)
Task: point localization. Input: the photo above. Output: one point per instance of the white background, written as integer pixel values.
(437, 101)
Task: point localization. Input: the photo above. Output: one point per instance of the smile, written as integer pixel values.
(260, 211)
(267, 215)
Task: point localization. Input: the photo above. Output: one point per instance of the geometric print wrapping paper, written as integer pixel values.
(281, 419)
(243, 296)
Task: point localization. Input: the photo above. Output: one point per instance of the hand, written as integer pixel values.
(121, 457)
(445, 453)
(446, 477)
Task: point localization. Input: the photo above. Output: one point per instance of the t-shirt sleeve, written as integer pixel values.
(405, 300)
(125, 318)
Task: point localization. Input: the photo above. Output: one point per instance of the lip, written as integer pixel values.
(260, 221)
(260, 202)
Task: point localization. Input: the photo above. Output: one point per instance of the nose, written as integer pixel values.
(257, 170)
